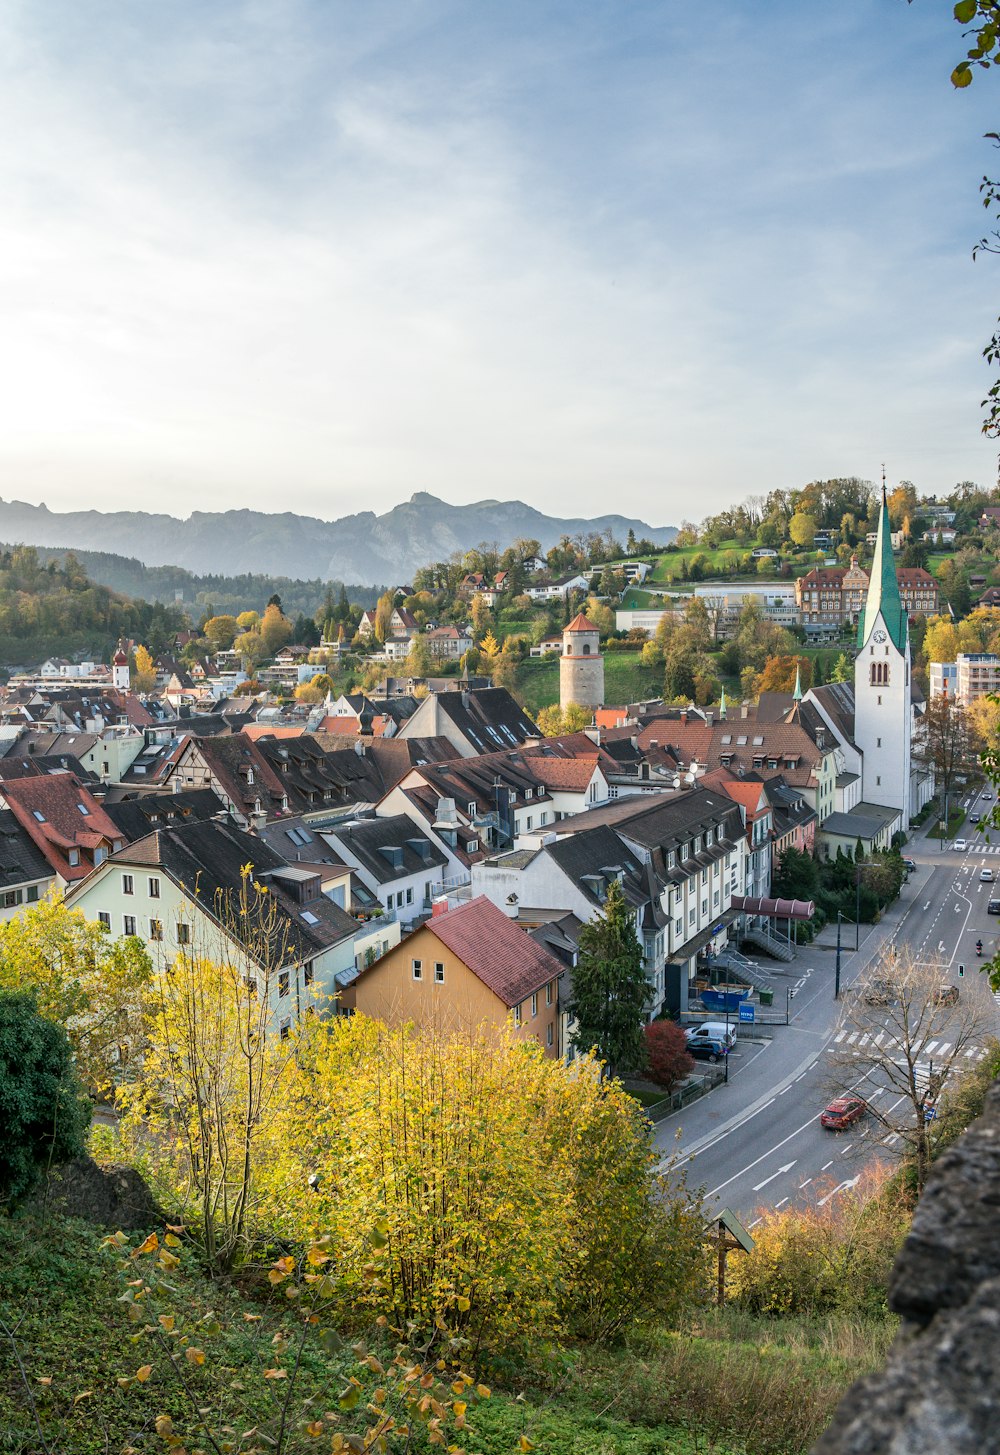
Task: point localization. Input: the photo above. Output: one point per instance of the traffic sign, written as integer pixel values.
(930, 1112)
(747, 1012)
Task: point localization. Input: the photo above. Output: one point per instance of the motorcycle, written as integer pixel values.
(979, 949)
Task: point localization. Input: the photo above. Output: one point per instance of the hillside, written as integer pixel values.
(366, 547)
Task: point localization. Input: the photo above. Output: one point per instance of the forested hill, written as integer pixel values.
(363, 547)
(52, 608)
(173, 585)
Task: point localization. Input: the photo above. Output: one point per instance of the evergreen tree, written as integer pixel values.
(46, 1115)
(610, 989)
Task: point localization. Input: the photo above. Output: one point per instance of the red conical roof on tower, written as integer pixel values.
(580, 623)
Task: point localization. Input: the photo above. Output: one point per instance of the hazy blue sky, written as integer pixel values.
(597, 254)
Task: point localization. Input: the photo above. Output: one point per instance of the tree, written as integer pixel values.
(248, 621)
(554, 721)
(940, 640)
(383, 615)
(249, 647)
(419, 662)
(221, 631)
(942, 741)
(89, 984)
(481, 613)
(44, 1112)
(795, 876)
(144, 671)
(275, 629)
(898, 1042)
(215, 1070)
(843, 669)
(668, 1060)
(309, 693)
(802, 528)
(779, 674)
(610, 990)
(489, 647)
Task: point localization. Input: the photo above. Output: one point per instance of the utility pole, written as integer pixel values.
(857, 906)
(836, 983)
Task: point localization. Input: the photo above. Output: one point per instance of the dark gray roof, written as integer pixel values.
(864, 821)
(207, 858)
(139, 815)
(19, 859)
(314, 777)
(386, 848)
(489, 718)
(593, 858)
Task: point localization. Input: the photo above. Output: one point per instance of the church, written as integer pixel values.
(873, 723)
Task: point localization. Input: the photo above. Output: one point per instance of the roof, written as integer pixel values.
(231, 760)
(883, 589)
(581, 623)
(487, 718)
(20, 859)
(864, 821)
(386, 848)
(568, 775)
(503, 957)
(207, 858)
(139, 815)
(60, 815)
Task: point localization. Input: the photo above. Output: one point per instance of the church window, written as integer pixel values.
(880, 674)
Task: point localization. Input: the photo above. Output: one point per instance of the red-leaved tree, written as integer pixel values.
(668, 1058)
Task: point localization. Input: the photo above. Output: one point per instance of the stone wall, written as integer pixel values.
(939, 1393)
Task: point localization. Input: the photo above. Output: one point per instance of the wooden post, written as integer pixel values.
(723, 1246)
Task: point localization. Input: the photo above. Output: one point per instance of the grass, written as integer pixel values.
(956, 818)
(625, 680)
(731, 1384)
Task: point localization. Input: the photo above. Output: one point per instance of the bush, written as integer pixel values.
(43, 1112)
(668, 1058)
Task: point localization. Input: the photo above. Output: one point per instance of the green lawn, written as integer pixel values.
(625, 680)
(956, 818)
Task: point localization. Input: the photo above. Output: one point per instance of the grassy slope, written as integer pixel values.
(667, 1394)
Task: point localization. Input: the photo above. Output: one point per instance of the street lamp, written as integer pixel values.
(836, 983)
(857, 906)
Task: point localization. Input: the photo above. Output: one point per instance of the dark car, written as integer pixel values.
(973, 818)
(843, 1112)
(946, 995)
(993, 907)
(707, 1050)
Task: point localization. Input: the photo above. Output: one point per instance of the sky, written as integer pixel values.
(599, 255)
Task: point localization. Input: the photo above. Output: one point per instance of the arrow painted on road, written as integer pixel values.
(841, 1186)
(927, 905)
(787, 1168)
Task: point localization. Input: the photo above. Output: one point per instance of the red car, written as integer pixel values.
(843, 1112)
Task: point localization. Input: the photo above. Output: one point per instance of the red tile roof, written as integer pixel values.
(569, 774)
(502, 956)
(580, 623)
(62, 826)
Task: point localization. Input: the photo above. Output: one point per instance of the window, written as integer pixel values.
(880, 674)
(548, 993)
(12, 897)
(183, 933)
(74, 857)
(285, 1028)
(307, 973)
(37, 815)
(527, 823)
(548, 1035)
(438, 973)
(283, 983)
(82, 808)
(409, 896)
(128, 886)
(517, 1015)
(472, 810)
(100, 854)
(418, 970)
(156, 929)
(154, 889)
(32, 894)
(128, 924)
(534, 1004)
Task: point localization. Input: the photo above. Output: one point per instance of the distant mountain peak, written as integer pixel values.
(362, 548)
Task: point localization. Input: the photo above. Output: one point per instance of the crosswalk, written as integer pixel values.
(923, 1066)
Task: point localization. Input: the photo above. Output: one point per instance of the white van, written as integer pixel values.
(712, 1031)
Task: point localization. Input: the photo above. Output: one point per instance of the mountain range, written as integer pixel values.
(366, 547)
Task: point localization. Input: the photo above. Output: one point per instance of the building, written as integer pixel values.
(467, 968)
(395, 859)
(65, 823)
(883, 714)
(971, 675)
(181, 887)
(581, 666)
(831, 597)
(481, 721)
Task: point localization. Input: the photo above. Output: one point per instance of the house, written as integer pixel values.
(463, 970)
(764, 553)
(758, 819)
(831, 597)
(65, 823)
(142, 813)
(971, 676)
(237, 771)
(559, 589)
(366, 626)
(534, 564)
(990, 518)
(635, 571)
(26, 876)
(395, 859)
(317, 778)
(179, 891)
(941, 535)
(548, 645)
(448, 642)
(481, 721)
(990, 597)
(402, 623)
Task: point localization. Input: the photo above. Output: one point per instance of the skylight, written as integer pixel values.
(309, 917)
(82, 808)
(35, 813)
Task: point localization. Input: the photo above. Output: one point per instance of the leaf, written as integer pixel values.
(193, 1355)
(275, 1373)
(149, 1246)
(143, 1374)
(167, 1320)
(172, 1241)
(45, 1379)
(483, 1391)
(964, 11)
(330, 1341)
(463, 1304)
(84, 1394)
(349, 1397)
(524, 1445)
(962, 75)
(315, 1429)
(164, 1426)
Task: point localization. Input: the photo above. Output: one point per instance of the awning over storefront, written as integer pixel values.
(775, 908)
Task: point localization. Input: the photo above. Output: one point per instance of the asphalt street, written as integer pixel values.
(756, 1143)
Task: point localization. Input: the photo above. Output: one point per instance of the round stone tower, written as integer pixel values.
(581, 666)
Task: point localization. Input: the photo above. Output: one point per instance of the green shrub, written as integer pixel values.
(43, 1112)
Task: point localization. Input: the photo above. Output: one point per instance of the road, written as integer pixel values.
(756, 1143)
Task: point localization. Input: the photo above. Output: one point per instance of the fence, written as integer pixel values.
(689, 1090)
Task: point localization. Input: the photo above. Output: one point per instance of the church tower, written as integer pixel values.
(120, 674)
(581, 666)
(882, 711)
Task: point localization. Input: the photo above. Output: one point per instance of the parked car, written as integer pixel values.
(993, 907)
(946, 995)
(986, 876)
(708, 1050)
(880, 992)
(843, 1112)
(961, 845)
(711, 1031)
(986, 793)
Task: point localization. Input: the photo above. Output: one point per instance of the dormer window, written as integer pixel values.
(529, 793)
(73, 857)
(472, 810)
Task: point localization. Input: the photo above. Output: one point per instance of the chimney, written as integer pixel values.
(439, 906)
(708, 718)
(684, 715)
(743, 709)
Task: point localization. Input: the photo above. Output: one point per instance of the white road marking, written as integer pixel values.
(787, 1168)
(825, 1166)
(851, 1182)
(927, 905)
(805, 1184)
(780, 1204)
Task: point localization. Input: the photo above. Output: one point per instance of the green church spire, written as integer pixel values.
(883, 589)
(797, 694)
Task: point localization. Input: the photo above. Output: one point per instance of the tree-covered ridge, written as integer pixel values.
(48, 608)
